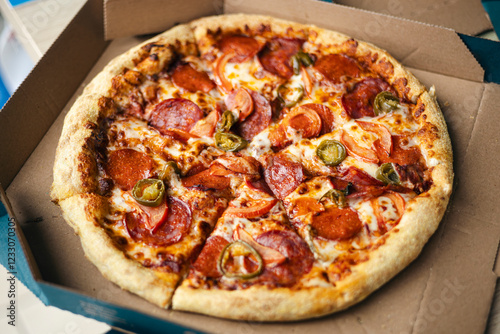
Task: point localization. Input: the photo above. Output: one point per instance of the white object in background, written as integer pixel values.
(15, 64)
(32, 317)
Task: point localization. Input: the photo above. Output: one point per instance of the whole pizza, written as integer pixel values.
(253, 168)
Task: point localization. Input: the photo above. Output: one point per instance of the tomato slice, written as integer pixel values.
(179, 135)
(270, 256)
(398, 202)
(307, 81)
(305, 120)
(240, 101)
(206, 126)
(382, 133)
(156, 215)
(256, 209)
(224, 84)
(357, 151)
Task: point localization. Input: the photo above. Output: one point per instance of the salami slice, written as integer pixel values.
(299, 259)
(176, 113)
(171, 231)
(127, 166)
(283, 175)
(276, 55)
(359, 102)
(337, 224)
(190, 79)
(337, 68)
(258, 120)
(206, 263)
(243, 47)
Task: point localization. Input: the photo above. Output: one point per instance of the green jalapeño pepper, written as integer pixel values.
(149, 192)
(226, 121)
(170, 166)
(387, 174)
(304, 58)
(239, 248)
(336, 196)
(229, 142)
(290, 96)
(385, 102)
(331, 152)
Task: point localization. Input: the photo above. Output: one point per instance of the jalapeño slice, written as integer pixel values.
(385, 102)
(239, 248)
(290, 96)
(387, 174)
(149, 192)
(226, 121)
(336, 196)
(331, 152)
(229, 142)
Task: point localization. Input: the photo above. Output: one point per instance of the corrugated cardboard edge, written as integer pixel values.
(452, 14)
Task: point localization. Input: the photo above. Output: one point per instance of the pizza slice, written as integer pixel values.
(253, 262)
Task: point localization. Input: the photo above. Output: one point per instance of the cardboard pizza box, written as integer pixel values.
(448, 289)
(464, 16)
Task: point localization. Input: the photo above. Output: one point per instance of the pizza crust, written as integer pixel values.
(85, 214)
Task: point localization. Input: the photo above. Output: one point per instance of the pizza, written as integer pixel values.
(252, 168)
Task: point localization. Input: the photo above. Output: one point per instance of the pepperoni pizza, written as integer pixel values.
(252, 168)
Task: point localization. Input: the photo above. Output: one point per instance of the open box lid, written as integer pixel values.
(434, 292)
(463, 16)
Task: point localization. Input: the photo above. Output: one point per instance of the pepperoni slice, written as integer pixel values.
(206, 180)
(362, 184)
(337, 224)
(177, 113)
(258, 120)
(400, 155)
(337, 68)
(172, 231)
(326, 115)
(259, 185)
(187, 77)
(128, 166)
(359, 102)
(206, 263)
(283, 175)
(243, 47)
(276, 54)
(299, 258)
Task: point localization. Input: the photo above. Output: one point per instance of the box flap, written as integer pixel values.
(465, 16)
(129, 17)
(33, 108)
(418, 45)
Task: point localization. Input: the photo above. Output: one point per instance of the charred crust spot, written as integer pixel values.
(401, 85)
(419, 110)
(90, 126)
(350, 47)
(384, 68)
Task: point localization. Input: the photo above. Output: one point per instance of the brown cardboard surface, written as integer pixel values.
(45, 91)
(126, 17)
(447, 289)
(465, 16)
